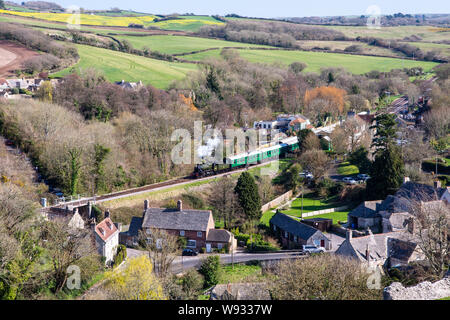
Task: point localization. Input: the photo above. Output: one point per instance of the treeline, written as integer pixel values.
(232, 91)
(82, 156)
(56, 54)
(405, 48)
(280, 34)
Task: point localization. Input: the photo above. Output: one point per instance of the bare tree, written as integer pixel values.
(224, 201)
(65, 246)
(432, 221)
(162, 248)
(316, 162)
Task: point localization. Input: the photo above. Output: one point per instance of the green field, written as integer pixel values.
(316, 60)
(427, 33)
(179, 44)
(118, 66)
(336, 216)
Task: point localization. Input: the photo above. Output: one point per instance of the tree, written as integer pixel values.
(210, 269)
(162, 248)
(316, 162)
(75, 169)
(322, 277)
(386, 174)
(294, 181)
(135, 282)
(224, 201)
(339, 141)
(19, 253)
(64, 246)
(265, 188)
(297, 67)
(385, 134)
(45, 92)
(248, 196)
(2, 4)
(359, 158)
(100, 154)
(307, 140)
(192, 284)
(433, 222)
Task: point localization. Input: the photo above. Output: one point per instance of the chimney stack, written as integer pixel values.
(107, 214)
(437, 184)
(349, 235)
(145, 205)
(180, 205)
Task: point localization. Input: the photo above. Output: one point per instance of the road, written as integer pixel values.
(185, 263)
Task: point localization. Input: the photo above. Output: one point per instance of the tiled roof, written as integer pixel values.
(106, 229)
(292, 226)
(172, 219)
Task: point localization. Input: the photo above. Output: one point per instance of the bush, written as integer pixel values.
(192, 283)
(120, 256)
(210, 269)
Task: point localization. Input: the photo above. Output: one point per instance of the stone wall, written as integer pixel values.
(423, 291)
(277, 201)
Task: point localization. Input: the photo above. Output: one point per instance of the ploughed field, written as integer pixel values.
(117, 66)
(12, 55)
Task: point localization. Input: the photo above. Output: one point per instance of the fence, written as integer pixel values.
(277, 201)
(319, 212)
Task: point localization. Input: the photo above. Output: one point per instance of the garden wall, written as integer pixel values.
(277, 201)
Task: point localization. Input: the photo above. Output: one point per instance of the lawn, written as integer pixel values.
(347, 169)
(310, 204)
(265, 218)
(316, 60)
(179, 44)
(241, 273)
(117, 66)
(336, 216)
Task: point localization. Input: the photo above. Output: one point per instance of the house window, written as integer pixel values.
(219, 246)
(191, 244)
(182, 233)
(199, 234)
(159, 244)
(286, 235)
(295, 238)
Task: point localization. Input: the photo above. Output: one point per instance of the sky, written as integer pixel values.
(267, 8)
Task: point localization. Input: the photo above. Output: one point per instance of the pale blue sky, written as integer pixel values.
(267, 8)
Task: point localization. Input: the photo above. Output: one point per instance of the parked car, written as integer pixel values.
(349, 180)
(189, 252)
(306, 174)
(308, 249)
(363, 177)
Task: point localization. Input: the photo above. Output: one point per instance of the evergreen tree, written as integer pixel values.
(248, 196)
(359, 159)
(386, 174)
(385, 126)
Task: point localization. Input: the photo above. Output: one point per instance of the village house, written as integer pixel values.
(107, 239)
(130, 85)
(197, 226)
(394, 213)
(381, 250)
(284, 123)
(294, 234)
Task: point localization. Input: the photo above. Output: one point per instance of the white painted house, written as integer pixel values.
(107, 239)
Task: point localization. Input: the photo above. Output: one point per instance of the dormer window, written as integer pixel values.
(102, 231)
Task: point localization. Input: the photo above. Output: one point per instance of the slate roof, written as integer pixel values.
(135, 226)
(172, 219)
(293, 226)
(419, 192)
(400, 249)
(219, 235)
(377, 244)
(367, 209)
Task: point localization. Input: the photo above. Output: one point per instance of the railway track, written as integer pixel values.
(156, 186)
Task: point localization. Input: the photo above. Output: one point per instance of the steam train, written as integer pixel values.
(246, 159)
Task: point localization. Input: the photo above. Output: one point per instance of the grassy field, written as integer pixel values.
(309, 204)
(184, 23)
(346, 169)
(241, 273)
(341, 45)
(316, 60)
(179, 44)
(117, 66)
(426, 33)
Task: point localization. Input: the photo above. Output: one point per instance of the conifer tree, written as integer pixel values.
(248, 196)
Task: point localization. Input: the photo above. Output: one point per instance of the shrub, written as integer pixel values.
(120, 256)
(210, 269)
(192, 283)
